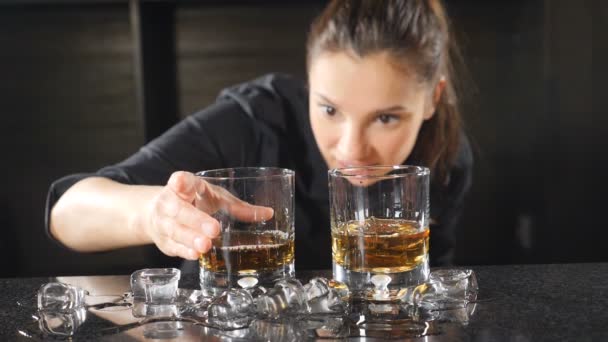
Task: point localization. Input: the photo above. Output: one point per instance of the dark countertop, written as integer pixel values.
(556, 302)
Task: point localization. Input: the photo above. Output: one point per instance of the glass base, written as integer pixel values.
(214, 283)
(361, 282)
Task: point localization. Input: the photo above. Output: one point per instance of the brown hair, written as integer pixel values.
(416, 34)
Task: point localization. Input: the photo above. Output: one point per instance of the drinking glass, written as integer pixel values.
(380, 226)
(248, 245)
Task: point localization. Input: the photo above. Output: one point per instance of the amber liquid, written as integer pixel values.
(249, 252)
(379, 245)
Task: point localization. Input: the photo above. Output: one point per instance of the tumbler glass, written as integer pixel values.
(380, 226)
(251, 243)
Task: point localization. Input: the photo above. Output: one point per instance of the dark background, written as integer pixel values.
(83, 84)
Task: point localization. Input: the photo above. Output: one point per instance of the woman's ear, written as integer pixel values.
(436, 96)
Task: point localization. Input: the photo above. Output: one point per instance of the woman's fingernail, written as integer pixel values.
(210, 230)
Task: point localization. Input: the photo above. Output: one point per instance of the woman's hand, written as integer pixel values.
(178, 220)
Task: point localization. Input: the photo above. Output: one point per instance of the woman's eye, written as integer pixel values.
(329, 110)
(387, 118)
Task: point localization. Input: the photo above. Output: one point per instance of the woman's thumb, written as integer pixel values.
(183, 184)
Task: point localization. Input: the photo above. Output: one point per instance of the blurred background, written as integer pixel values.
(84, 84)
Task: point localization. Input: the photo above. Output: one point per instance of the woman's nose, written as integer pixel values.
(352, 145)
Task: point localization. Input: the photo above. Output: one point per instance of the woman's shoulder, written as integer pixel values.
(265, 96)
(274, 83)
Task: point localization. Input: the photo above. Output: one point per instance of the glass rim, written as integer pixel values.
(274, 172)
(410, 170)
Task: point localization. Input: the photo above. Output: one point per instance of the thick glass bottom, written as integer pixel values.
(214, 283)
(361, 282)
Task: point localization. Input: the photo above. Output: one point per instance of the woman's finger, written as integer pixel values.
(183, 184)
(246, 212)
(208, 197)
(211, 198)
(172, 248)
(184, 213)
(183, 235)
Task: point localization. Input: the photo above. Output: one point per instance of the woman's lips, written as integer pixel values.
(358, 168)
(347, 164)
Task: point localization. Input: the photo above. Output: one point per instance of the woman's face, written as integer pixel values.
(365, 111)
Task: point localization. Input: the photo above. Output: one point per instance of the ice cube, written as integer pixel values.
(188, 303)
(257, 291)
(459, 284)
(339, 289)
(60, 297)
(286, 297)
(316, 287)
(447, 289)
(138, 293)
(190, 297)
(62, 323)
(326, 296)
(192, 303)
(155, 285)
(160, 285)
(293, 291)
(233, 309)
(155, 291)
(457, 315)
(250, 284)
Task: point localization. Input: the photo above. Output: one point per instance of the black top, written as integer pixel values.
(265, 122)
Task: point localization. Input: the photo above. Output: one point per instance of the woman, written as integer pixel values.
(380, 91)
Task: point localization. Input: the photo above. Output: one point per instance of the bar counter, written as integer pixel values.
(553, 302)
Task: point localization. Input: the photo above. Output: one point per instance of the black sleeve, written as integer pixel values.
(447, 205)
(222, 135)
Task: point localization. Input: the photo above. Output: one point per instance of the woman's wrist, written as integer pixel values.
(139, 220)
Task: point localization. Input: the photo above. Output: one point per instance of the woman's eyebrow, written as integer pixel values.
(325, 99)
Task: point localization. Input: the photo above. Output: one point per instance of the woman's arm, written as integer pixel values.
(99, 214)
